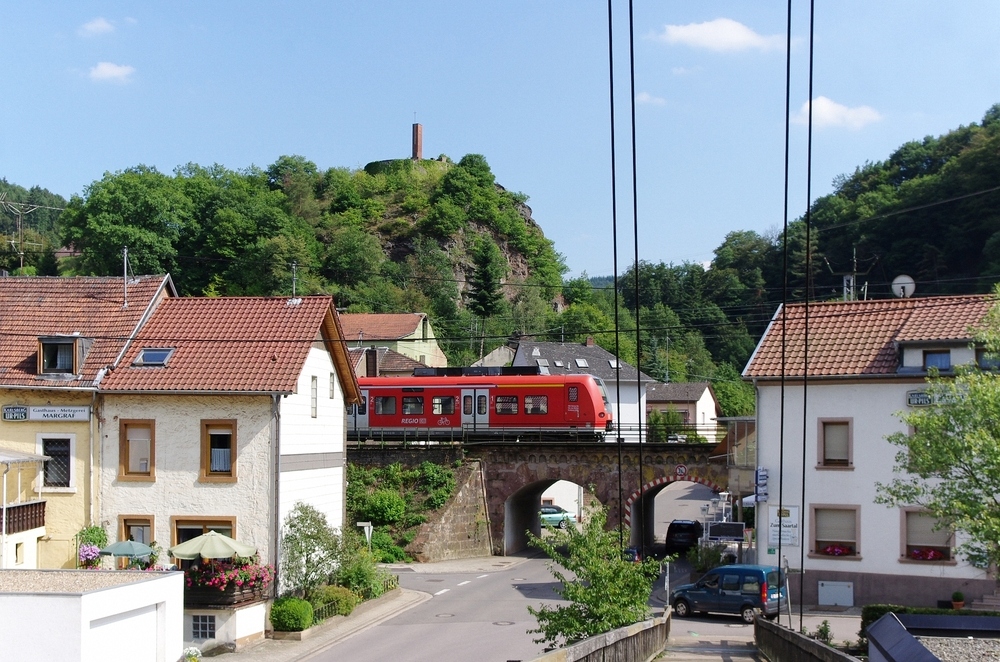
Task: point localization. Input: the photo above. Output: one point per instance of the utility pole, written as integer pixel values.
(20, 209)
(851, 277)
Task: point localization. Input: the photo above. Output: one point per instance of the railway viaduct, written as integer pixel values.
(516, 473)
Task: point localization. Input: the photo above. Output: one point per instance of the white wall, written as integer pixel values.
(177, 490)
(632, 410)
(321, 438)
(29, 549)
(872, 407)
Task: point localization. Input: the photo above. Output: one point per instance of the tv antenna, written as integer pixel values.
(20, 210)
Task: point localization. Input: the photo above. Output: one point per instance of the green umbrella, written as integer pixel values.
(211, 545)
(129, 548)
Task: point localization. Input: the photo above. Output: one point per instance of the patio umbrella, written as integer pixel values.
(129, 548)
(211, 545)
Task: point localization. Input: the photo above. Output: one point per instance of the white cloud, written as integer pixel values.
(649, 99)
(723, 35)
(95, 27)
(109, 71)
(827, 112)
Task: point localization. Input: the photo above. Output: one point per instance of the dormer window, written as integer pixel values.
(153, 356)
(987, 361)
(61, 355)
(940, 359)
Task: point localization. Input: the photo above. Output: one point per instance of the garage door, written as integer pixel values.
(131, 634)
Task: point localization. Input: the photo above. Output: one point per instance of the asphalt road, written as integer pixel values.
(479, 616)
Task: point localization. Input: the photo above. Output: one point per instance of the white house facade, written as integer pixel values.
(867, 363)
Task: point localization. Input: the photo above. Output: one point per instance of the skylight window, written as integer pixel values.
(542, 362)
(559, 364)
(613, 363)
(582, 363)
(154, 356)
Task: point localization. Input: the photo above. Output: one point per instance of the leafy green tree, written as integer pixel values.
(486, 298)
(604, 590)
(310, 550)
(950, 463)
(736, 397)
(139, 208)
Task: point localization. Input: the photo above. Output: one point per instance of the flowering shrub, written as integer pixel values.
(190, 654)
(220, 574)
(926, 554)
(89, 555)
(838, 550)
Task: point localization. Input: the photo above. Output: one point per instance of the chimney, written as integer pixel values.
(590, 341)
(418, 142)
(371, 362)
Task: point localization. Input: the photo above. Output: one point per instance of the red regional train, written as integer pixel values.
(440, 405)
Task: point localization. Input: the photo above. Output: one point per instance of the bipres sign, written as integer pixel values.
(45, 413)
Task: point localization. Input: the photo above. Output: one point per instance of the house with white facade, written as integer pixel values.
(59, 337)
(830, 381)
(695, 402)
(409, 334)
(223, 413)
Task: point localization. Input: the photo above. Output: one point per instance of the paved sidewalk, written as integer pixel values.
(367, 614)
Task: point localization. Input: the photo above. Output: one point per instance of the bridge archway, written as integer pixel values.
(641, 509)
(521, 514)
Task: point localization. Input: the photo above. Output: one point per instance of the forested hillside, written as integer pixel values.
(445, 238)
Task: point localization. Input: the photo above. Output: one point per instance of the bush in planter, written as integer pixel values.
(343, 599)
(291, 614)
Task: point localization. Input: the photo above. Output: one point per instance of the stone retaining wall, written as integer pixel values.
(460, 529)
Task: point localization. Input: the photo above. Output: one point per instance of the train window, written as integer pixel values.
(413, 405)
(536, 404)
(506, 404)
(363, 407)
(481, 407)
(574, 393)
(467, 405)
(444, 404)
(385, 404)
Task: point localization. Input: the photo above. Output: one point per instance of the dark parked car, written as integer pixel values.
(733, 589)
(682, 535)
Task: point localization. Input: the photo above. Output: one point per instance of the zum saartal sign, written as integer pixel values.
(45, 413)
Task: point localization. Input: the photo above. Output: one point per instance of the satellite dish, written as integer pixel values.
(903, 286)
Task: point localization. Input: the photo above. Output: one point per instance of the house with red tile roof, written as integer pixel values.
(409, 334)
(59, 337)
(221, 415)
(382, 362)
(830, 380)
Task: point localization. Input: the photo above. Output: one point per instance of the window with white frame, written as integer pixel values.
(835, 531)
(835, 443)
(313, 396)
(926, 538)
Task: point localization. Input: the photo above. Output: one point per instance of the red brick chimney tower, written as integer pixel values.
(418, 142)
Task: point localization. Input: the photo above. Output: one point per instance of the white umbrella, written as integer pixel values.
(211, 545)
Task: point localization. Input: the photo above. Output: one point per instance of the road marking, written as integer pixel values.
(444, 590)
(463, 583)
(481, 576)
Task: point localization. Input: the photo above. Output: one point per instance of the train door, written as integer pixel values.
(357, 416)
(475, 409)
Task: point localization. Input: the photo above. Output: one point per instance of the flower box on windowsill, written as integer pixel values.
(208, 596)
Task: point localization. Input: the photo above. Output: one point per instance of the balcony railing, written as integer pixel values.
(25, 516)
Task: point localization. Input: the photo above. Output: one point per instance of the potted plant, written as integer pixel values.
(957, 600)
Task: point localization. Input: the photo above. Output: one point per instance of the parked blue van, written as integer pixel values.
(733, 589)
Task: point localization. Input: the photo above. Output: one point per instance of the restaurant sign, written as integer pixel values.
(46, 413)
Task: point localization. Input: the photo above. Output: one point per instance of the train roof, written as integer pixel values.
(464, 380)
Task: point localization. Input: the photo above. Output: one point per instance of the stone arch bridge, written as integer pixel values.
(516, 473)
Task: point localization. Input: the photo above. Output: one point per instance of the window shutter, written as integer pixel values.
(920, 531)
(836, 525)
(835, 442)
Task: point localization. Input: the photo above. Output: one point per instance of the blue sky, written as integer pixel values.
(92, 87)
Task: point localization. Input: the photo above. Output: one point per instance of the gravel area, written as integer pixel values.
(955, 649)
(67, 581)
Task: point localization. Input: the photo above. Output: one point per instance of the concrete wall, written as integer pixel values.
(635, 643)
(28, 541)
(177, 491)
(239, 627)
(68, 509)
(880, 572)
(143, 619)
(460, 529)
